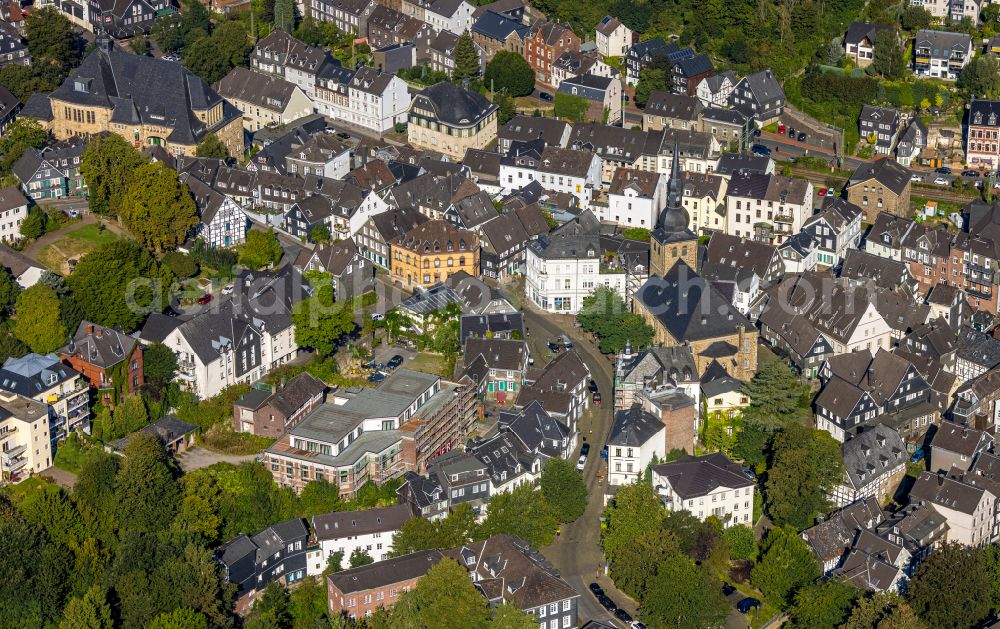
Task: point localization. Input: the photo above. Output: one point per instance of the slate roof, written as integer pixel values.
(32, 374)
(15, 261)
(891, 227)
(831, 538)
(454, 105)
(396, 222)
(499, 27)
(537, 431)
(608, 25)
(261, 90)
(507, 354)
(749, 256)
(296, 392)
(438, 236)
(860, 31)
(38, 106)
(514, 570)
(862, 266)
(99, 345)
(887, 172)
(643, 182)
(340, 524)
(158, 326)
(978, 348)
(143, 89)
(959, 439)
(941, 43)
(11, 198)
(552, 388)
(335, 258)
(634, 427)
(868, 571)
(383, 573)
(872, 453)
(775, 188)
(504, 233)
(731, 163)
(694, 476)
(167, 429)
(942, 491)
(689, 307)
(294, 53)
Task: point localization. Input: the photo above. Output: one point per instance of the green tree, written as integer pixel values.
(360, 558)
(335, 561)
(741, 542)
(158, 208)
(524, 513)
(777, 397)
(180, 618)
(211, 146)
(159, 364)
(36, 322)
(751, 444)
(683, 595)
(915, 18)
(981, 77)
(458, 528)
(91, 611)
(603, 313)
(507, 616)
(107, 167)
(570, 106)
(633, 565)
(261, 249)
(20, 136)
(319, 234)
(119, 283)
(563, 488)
(128, 416)
(444, 598)
(180, 264)
(35, 224)
(506, 109)
(284, 15)
(511, 72)
(786, 565)
(805, 466)
(9, 290)
(319, 497)
(51, 39)
(145, 490)
(951, 588)
(636, 510)
(883, 611)
(139, 45)
(466, 58)
(824, 604)
(307, 603)
(11, 346)
(204, 58)
(320, 322)
(168, 33)
(887, 55)
(651, 79)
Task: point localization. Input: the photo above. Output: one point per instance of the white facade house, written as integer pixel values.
(636, 437)
(377, 100)
(13, 210)
(635, 198)
(369, 531)
(226, 225)
(613, 38)
(767, 207)
(370, 206)
(715, 90)
(557, 169)
(705, 486)
(563, 269)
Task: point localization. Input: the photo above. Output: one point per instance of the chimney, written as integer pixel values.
(99, 332)
(90, 328)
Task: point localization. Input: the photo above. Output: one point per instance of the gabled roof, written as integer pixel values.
(499, 27)
(633, 427)
(862, 266)
(454, 105)
(857, 32)
(383, 573)
(942, 43)
(871, 454)
(508, 354)
(958, 439)
(99, 345)
(608, 25)
(832, 537)
(340, 524)
(694, 476)
(261, 90)
(554, 386)
(941, 491)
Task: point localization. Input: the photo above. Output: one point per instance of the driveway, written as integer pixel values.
(576, 553)
(197, 457)
(59, 476)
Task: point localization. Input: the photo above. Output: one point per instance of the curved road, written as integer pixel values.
(576, 553)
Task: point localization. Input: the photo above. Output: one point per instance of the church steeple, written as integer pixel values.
(674, 218)
(674, 186)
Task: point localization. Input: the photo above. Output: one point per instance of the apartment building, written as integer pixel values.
(25, 445)
(710, 485)
(45, 379)
(13, 210)
(769, 208)
(368, 531)
(432, 251)
(449, 119)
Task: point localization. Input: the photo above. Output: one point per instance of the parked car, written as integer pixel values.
(623, 616)
(607, 603)
(566, 343)
(791, 133)
(636, 625)
(916, 177)
(204, 299)
(581, 462)
(781, 129)
(760, 149)
(596, 589)
(228, 289)
(73, 213)
(378, 376)
(553, 347)
(747, 604)
(943, 170)
(585, 449)
(970, 173)
(802, 136)
(378, 316)
(394, 362)
(727, 589)
(592, 387)
(545, 96)
(941, 181)
(597, 399)
(917, 456)
(821, 192)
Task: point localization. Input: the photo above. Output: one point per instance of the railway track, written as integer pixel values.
(934, 193)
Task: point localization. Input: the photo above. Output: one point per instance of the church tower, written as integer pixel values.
(672, 240)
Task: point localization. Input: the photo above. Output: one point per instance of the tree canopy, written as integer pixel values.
(466, 58)
(563, 488)
(777, 397)
(511, 72)
(19, 136)
(888, 55)
(951, 588)
(36, 322)
(523, 512)
(108, 165)
(805, 466)
(603, 313)
(158, 208)
(786, 565)
(320, 322)
(261, 249)
(211, 146)
(684, 595)
(119, 283)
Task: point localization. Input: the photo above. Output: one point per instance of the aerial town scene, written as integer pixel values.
(512, 314)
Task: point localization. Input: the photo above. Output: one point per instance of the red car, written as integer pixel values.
(822, 192)
(204, 299)
(781, 128)
(597, 399)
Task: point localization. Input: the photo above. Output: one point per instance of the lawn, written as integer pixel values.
(428, 362)
(74, 245)
(71, 454)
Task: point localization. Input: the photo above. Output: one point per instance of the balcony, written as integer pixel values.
(13, 466)
(6, 433)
